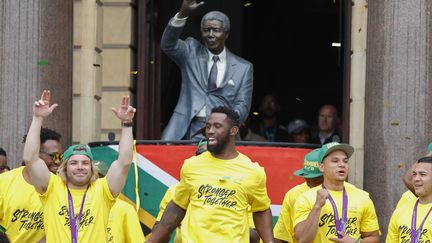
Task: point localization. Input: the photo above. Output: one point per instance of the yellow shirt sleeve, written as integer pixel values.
(406, 197)
(1, 200)
(369, 222)
(165, 200)
(259, 198)
(392, 234)
(184, 189)
(131, 225)
(51, 184)
(302, 209)
(281, 229)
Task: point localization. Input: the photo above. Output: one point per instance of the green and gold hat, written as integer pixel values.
(326, 149)
(80, 149)
(310, 165)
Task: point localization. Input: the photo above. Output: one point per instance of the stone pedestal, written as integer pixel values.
(35, 54)
(398, 110)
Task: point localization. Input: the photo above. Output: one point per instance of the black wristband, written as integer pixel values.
(126, 123)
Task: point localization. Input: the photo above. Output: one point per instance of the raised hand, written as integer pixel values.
(321, 198)
(42, 107)
(125, 112)
(189, 6)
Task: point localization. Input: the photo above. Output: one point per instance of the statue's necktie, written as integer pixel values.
(213, 74)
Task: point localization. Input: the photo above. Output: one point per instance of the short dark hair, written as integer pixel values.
(3, 152)
(219, 16)
(426, 159)
(230, 113)
(46, 134)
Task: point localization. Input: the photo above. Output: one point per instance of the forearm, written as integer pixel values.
(372, 237)
(126, 148)
(171, 218)
(306, 230)
(264, 225)
(32, 144)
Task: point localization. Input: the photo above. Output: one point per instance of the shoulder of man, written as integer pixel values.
(237, 59)
(310, 194)
(300, 188)
(12, 173)
(355, 190)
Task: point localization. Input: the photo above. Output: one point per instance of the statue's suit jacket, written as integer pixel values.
(192, 58)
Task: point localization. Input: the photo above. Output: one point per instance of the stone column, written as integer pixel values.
(87, 78)
(398, 97)
(35, 54)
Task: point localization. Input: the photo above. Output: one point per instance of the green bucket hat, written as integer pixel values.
(77, 149)
(430, 148)
(326, 149)
(310, 165)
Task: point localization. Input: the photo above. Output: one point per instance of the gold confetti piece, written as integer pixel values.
(255, 113)
(134, 72)
(401, 165)
(247, 4)
(298, 99)
(290, 177)
(394, 123)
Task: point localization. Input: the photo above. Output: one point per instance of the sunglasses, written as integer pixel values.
(54, 156)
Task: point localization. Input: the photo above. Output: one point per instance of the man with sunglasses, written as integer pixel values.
(76, 203)
(21, 213)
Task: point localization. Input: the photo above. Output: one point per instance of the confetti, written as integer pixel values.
(298, 99)
(291, 177)
(247, 4)
(394, 123)
(401, 165)
(134, 72)
(255, 113)
(42, 62)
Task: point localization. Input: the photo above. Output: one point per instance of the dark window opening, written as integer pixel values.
(292, 44)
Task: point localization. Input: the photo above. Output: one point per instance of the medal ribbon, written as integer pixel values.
(74, 222)
(340, 224)
(415, 234)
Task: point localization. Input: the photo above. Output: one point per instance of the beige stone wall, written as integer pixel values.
(103, 65)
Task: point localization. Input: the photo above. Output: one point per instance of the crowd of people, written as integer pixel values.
(64, 196)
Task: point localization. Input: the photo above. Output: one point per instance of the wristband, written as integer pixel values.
(126, 123)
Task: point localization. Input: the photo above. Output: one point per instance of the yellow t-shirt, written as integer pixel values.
(21, 211)
(123, 224)
(178, 234)
(406, 197)
(399, 229)
(94, 219)
(217, 194)
(361, 212)
(284, 229)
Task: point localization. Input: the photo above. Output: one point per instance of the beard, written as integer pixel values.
(219, 147)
